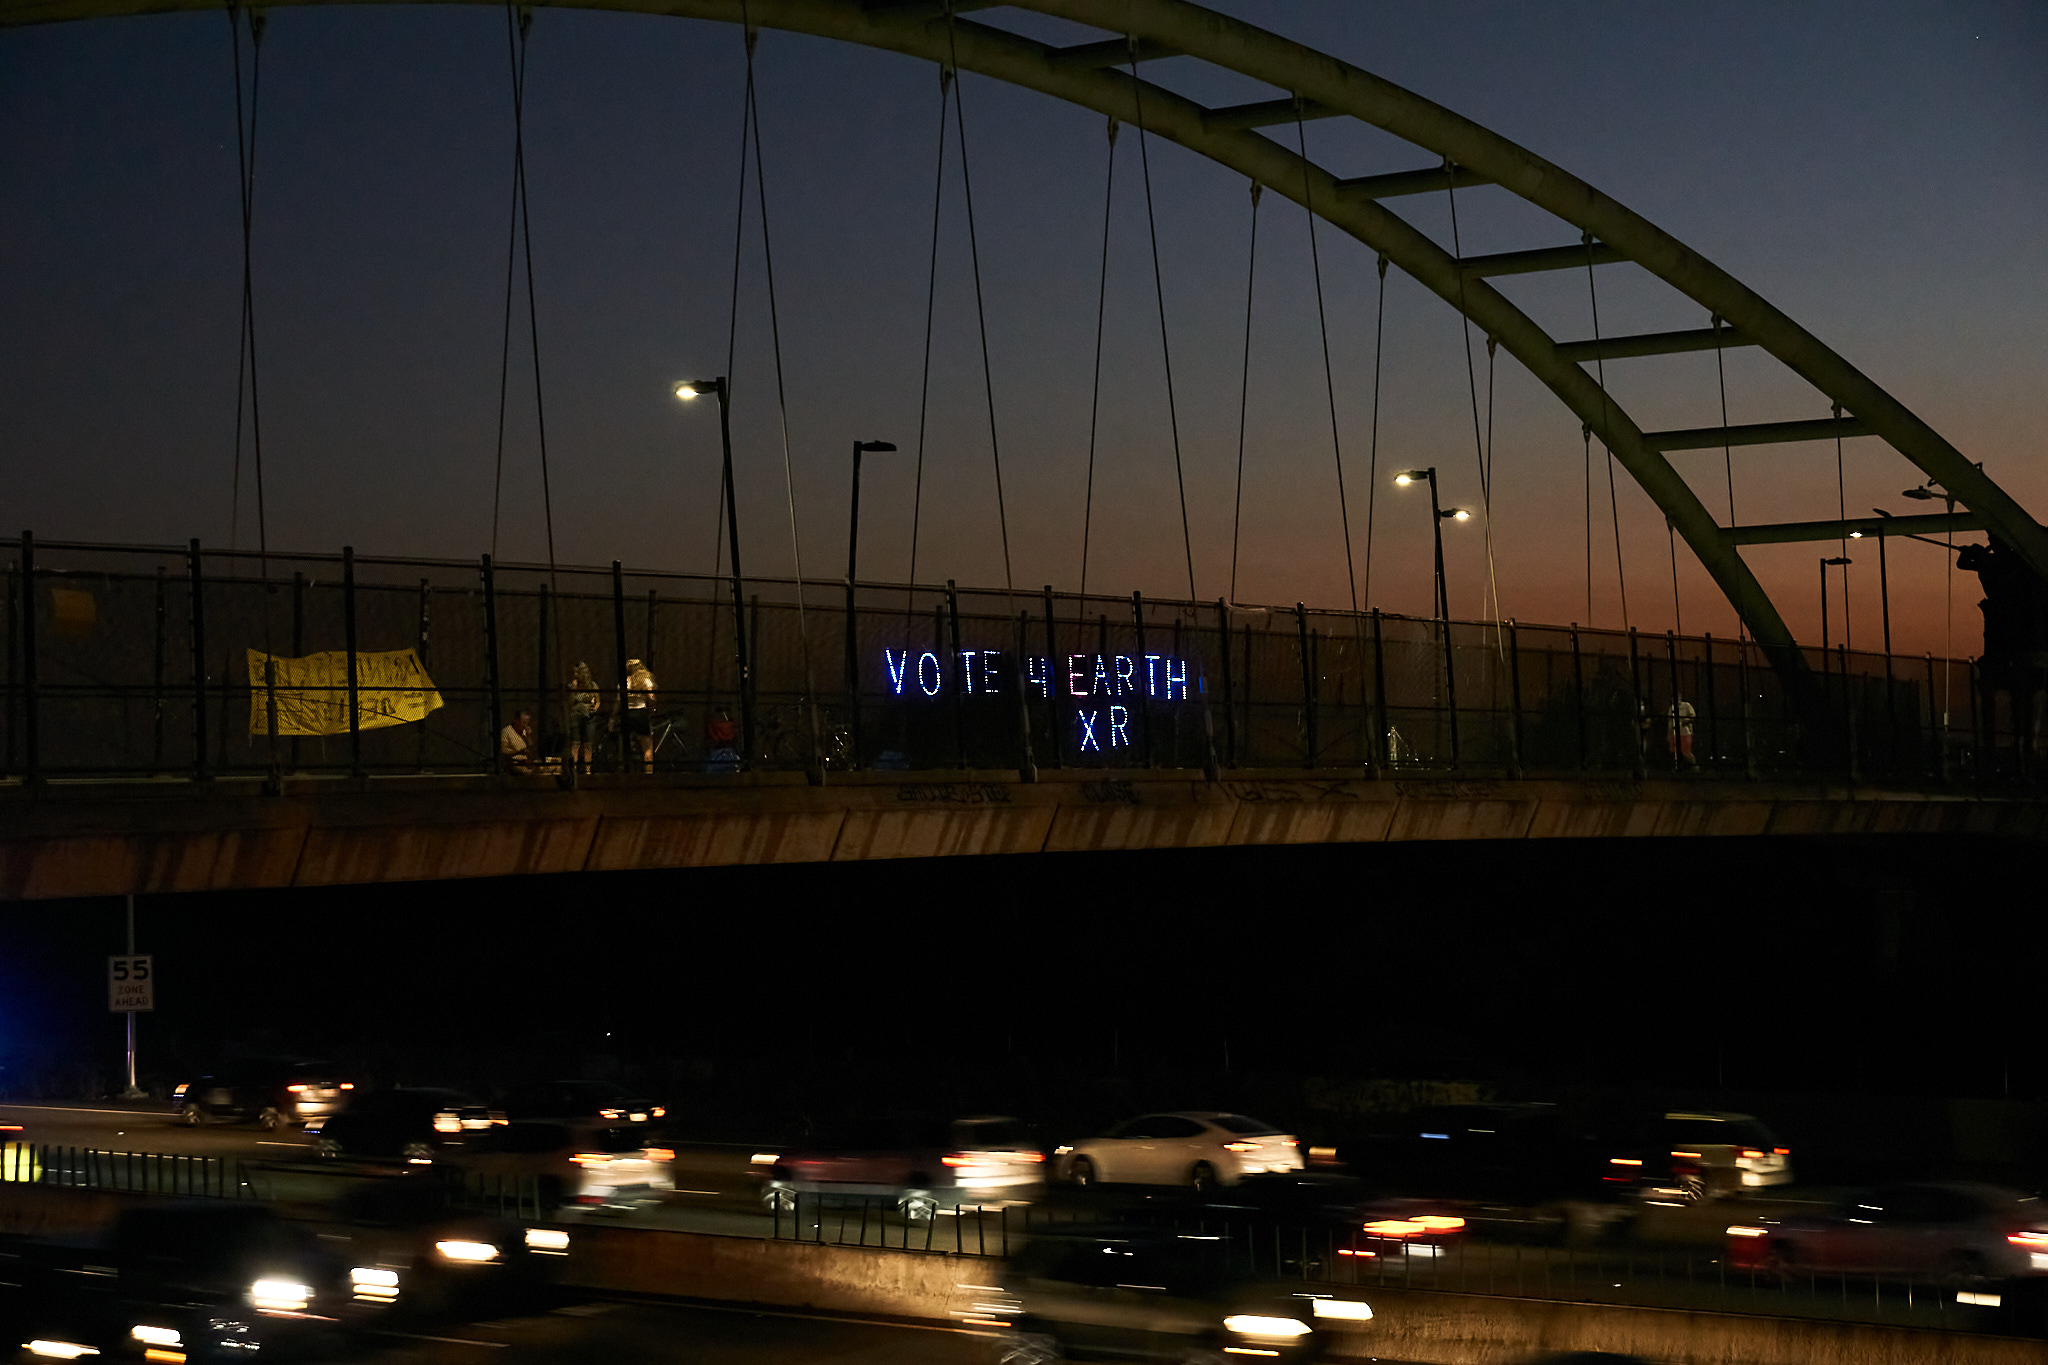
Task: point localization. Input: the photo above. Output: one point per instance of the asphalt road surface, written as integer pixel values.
(606, 1333)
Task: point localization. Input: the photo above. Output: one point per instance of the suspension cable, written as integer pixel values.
(1586, 433)
(988, 379)
(931, 291)
(1482, 448)
(1727, 456)
(1159, 292)
(1244, 386)
(519, 25)
(1677, 607)
(1372, 468)
(775, 343)
(1329, 375)
(1095, 390)
(1606, 418)
(245, 357)
(505, 342)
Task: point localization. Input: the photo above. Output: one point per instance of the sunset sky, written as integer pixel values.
(1877, 170)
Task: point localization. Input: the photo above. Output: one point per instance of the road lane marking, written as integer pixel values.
(452, 1341)
(685, 1306)
(74, 1109)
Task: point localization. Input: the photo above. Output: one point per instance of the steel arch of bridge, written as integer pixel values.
(1096, 76)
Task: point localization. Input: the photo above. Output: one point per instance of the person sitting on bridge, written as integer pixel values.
(515, 744)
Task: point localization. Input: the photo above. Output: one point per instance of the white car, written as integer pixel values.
(1198, 1148)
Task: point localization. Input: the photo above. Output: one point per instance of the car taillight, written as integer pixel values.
(590, 1158)
(1240, 1146)
(958, 1159)
(1752, 1153)
(297, 1089)
(348, 1085)
(1289, 1142)
(1623, 1161)
(181, 1090)
(657, 1111)
(611, 1113)
(1781, 1151)
(1395, 1227)
(1439, 1222)
(2033, 1239)
(1740, 1230)
(1688, 1156)
(1027, 1156)
(659, 1154)
(448, 1123)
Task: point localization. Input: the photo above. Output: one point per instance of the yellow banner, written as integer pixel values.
(312, 693)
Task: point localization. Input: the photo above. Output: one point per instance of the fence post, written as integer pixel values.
(1308, 690)
(1229, 693)
(619, 655)
(1748, 738)
(959, 672)
(1052, 717)
(1579, 698)
(1671, 667)
(31, 700)
(198, 582)
(348, 635)
(156, 676)
(1145, 702)
(1712, 709)
(1515, 701)
(1635, 702)
(1937, 722)
(1385, 734)
(1451, 687)
(298, 639)
(1027, 766)
(491, 684)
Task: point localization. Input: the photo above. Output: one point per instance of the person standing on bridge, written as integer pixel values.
(638, 712)
(585, 701)
(1678, 733)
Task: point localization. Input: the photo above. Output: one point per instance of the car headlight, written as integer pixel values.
(59, 1350)
(552, 1241)
(1255, 1325)
(156, 1336)
(470, 1253)
(1344, 1310)
(279, 1296)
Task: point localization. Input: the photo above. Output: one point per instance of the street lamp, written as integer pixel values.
(688, 391)
(852, 577)
(1844, 561)
(1439, 514)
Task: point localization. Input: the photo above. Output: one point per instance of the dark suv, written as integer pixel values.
(276, 1092)
(1150, 1294)
(413, 1124)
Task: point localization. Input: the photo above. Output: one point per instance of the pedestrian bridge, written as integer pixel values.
(117, 838)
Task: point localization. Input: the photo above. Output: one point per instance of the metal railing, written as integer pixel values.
(148, 662)
(88, 1168)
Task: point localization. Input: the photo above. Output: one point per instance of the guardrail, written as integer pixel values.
(89, 1168)
(1621, 1273)
(161, 662)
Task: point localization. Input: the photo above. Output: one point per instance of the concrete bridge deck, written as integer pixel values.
(106, 838)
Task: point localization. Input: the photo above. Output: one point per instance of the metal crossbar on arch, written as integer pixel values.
(1595, 229)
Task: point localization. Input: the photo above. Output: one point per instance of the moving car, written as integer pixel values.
(1687, 1157)
(1146, 1294)
(276, 1092)
(1198, 1148)
(411, 1248)
(1341, 1216)
(594, 1165)
(580, 1100)
(414, 1124)
(203, 1282)
(1958, 1232)
(922, 1164)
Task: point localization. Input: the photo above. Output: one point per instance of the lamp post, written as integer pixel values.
(1844, 561)
(1438, 515)
(852, 578)
(689, 390)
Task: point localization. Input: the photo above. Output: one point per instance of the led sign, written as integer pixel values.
(1072, 678)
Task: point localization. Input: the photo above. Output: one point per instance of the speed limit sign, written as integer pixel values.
(131, 984)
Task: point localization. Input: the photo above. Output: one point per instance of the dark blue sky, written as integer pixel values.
(1880, 171)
